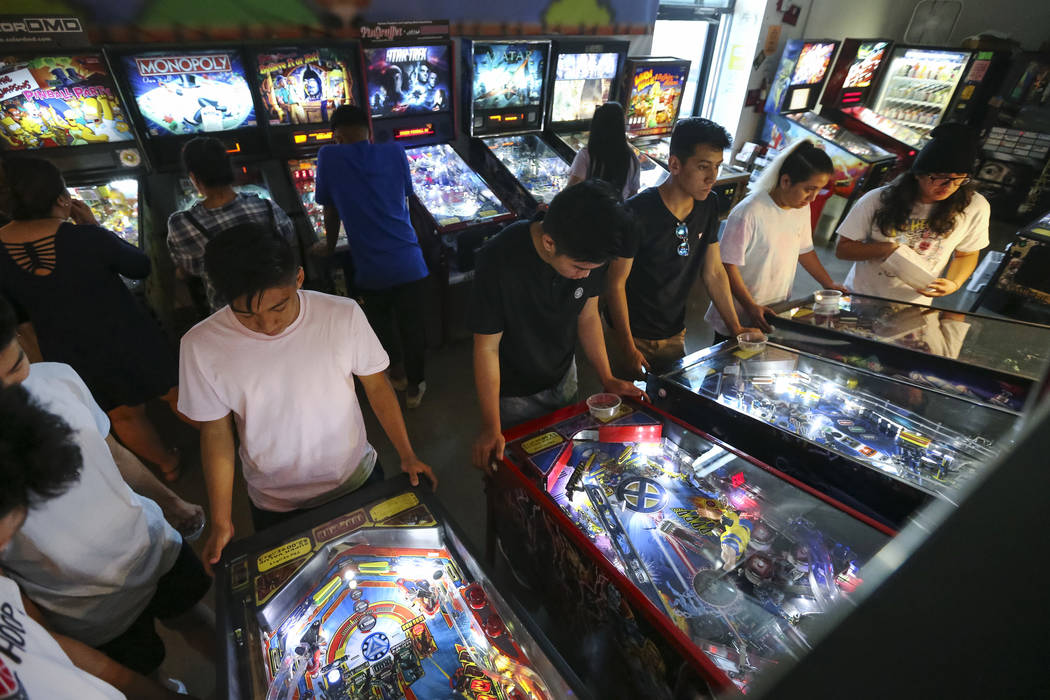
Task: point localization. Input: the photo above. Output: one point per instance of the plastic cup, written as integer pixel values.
(826, 301)
(603, 406)
(752, 341)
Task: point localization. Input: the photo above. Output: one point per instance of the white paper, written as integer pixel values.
(907, 266)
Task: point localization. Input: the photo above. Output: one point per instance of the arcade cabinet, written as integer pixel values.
(376, 595)
(505, 110)
(66, 108)
(410, 89)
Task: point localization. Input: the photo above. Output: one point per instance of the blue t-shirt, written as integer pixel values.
(369, 184)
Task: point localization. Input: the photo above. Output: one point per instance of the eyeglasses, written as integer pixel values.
(939, 180)
(682, 231)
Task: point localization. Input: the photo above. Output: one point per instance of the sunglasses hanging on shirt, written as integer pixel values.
(682, 231)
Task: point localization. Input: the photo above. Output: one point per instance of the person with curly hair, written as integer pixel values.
(104, 558)
(902, 236)
(40, 461)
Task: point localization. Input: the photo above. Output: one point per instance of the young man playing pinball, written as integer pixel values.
(277, 365)
(366, 186)
(40, 460)
(676, 239)
(536, 289)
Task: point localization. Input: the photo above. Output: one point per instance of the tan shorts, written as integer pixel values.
(658, 353)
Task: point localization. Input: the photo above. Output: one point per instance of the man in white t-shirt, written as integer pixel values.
(39, 461)
(932, 218)
(280, 363)
(101, 560)
(769, 234)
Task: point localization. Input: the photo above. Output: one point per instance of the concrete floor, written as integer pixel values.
(442, 430)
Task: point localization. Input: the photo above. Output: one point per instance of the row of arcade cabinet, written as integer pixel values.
(639, 551)
(526, 103)
(878, 103)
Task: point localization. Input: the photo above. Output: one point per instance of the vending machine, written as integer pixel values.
(66, 108)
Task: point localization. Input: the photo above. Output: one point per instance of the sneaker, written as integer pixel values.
(399, 383)
(414, 398)
(175, 685)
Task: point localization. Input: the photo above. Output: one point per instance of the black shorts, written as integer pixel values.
(139, 647)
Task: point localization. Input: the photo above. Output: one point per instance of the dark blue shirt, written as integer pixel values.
(368, 185)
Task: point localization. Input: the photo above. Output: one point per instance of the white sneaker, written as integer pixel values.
(413, 399)
(175, 686)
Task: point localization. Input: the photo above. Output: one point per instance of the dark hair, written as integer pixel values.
(246, 260)
(348, 115)
(804, 161)
(34, 184)
(900, 197)
(8, 323)
(697, 131)
(39, 456)
(607, 147)
(205, 158)
(587, 221)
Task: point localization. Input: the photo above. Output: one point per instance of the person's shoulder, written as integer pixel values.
(871, 197)
(978, 204)
(41, 372)
(644, 200)
(320, 301)
(47, 377)
(217, 324)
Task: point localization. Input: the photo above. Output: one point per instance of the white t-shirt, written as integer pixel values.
(32, 664)
(582, 163)
(292, 395)
(91, 557)
(868, 277)
(764, 242)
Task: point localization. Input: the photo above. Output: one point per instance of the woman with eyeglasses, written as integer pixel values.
(919, 237)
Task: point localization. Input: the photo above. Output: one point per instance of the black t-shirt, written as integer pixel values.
(660, 279)
(516, 293)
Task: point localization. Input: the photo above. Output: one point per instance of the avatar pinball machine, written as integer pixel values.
(979, 357)
(65, 107)
(505, 100)
(882, 446)
(376, 596)
(670, 563)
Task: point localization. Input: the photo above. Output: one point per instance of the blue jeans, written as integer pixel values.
(514, 410)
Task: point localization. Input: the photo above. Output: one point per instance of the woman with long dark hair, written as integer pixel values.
(769, 234)
(607, 156)
(904, 234)
(65, 279)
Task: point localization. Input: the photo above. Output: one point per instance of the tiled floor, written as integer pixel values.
(442, 430)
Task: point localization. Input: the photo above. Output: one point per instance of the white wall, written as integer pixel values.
(1027, 21)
